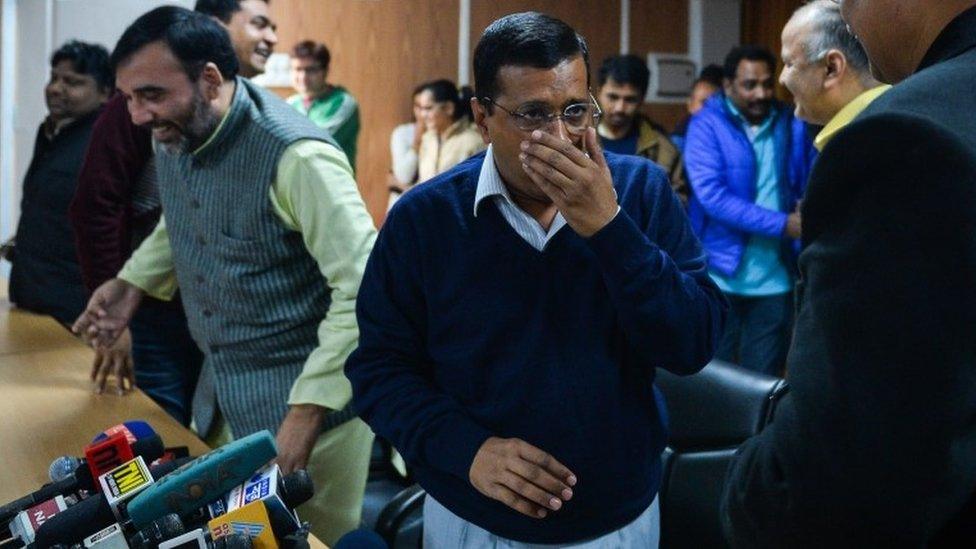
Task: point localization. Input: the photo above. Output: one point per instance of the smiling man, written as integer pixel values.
(266, 236)
(45, 277)
(748, 159)
(250, 28)
(515, 308)
(874, 445)
(826, 69)
(117, 205)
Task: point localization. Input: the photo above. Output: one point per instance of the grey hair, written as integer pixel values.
(828, 31)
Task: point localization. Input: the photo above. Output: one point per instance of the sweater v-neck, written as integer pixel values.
(497, 224)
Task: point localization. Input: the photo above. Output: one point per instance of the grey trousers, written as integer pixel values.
(445, 530)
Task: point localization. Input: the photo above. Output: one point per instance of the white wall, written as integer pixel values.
(32, 30)
(714, 27)
(721, 29)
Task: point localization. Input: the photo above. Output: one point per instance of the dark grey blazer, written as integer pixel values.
(875, 446)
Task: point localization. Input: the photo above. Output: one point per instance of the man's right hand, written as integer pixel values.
(114, 361)
(521, 476)
(793, 223)
(108, 313)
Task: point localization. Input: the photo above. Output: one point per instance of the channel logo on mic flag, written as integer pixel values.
(252, 520)
(127, 479)
(124, 482)
(260, 490)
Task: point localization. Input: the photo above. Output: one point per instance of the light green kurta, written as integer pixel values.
(314, 193)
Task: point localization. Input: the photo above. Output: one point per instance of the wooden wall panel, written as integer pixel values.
(597, 20)
(381, 50)
(665, 114)
(762, 24)
(658, 26)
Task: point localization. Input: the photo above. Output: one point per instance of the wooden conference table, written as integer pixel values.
(48, 409)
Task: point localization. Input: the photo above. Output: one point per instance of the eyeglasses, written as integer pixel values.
(577, 117)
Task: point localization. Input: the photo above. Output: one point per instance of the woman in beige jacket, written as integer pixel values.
(451, 135)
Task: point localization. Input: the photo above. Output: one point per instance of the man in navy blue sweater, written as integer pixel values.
(514, 310)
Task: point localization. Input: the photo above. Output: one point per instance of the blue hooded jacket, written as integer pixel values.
(721, 166)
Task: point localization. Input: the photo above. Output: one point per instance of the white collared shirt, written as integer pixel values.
(490, 184)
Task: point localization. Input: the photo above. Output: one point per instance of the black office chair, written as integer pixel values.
(711, 413)
(401, 523)
(383, 483)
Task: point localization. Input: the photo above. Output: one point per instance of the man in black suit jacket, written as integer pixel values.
(875, 445)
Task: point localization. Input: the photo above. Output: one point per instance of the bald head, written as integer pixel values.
(820, 29)
(897, 33)
(824, 66)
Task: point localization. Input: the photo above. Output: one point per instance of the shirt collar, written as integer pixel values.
(846, 114)
(490, 182)
(237, 97)
(761, 127)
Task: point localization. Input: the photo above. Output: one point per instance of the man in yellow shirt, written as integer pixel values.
(266, 236)
(826, 69)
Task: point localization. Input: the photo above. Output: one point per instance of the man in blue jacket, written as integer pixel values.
(748, 159)
(514, 309)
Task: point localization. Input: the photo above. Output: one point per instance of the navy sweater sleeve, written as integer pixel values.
(390, 371)
(670, 310)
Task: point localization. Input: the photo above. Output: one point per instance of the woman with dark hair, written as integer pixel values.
(404, 148)
(451, 135)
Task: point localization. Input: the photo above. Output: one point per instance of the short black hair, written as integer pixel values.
(90, 59)
(528, 39)
(749, 52)
(625, 69)
(313, 50)
(711, 74)
(194, 38)
(221, 9)
(444, 91)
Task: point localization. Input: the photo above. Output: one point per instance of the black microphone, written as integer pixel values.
(150, 448)
(160, 530)
(88, 516)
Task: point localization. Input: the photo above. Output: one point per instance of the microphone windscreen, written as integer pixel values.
(62, 468)
(132, 429)
(158, 531)
(204, 479)
(297, 488)
(81, 519)
(150, 447)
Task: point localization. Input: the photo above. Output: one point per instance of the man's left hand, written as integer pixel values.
(297, 436)
(578, 183)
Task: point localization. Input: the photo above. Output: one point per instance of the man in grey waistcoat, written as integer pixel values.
(266, 236)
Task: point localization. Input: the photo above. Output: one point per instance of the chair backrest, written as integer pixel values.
(401, 522)
(710, 414)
